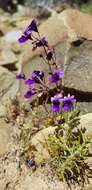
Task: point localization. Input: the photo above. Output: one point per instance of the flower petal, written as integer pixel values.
(29, 82)
(55, 103)
(23, 39)
(29, 93)
(32, 27)
(54, 78)
(68, 102)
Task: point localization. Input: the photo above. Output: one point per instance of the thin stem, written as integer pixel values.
(46, 108)
(35, 38)
(43, 84)
(46, 55)
(44, 59)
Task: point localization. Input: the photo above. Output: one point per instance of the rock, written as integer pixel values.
(11, 176)
(7, 57)
(86, 122)
(22, 11)
(88, 187)
(8, 6)
(3, 110)
(41, 180)
(43, 2)
(12, 36)
(5, 132)
(42, 12)
(78, 24)
(8, 84)
(39, 141)
(84, 106)
(78, 67)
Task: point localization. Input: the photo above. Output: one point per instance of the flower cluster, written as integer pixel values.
(67, 103)
(37, 83)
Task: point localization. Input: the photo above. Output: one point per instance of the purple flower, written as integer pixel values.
(49, 54)
(31, 162)
(37, 76)
(27, 33)
(20, 76)
(42, 42)
(68, 102)
(32, 27)
(23, 39)
(54, 78)
(29, 82)
(30, 93)
(56, 103)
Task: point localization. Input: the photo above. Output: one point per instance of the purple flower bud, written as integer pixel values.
(54, 78)
(30, 93)
(49, 54)
(68, 102)
(37, 76)
(56, 100)
(42, 42)
(20, 76)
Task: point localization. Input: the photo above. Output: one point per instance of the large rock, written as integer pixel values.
(8, 84)
(44, 2)
(78, 67)
(8, 59)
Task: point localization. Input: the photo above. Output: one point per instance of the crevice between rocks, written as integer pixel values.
(79, 95)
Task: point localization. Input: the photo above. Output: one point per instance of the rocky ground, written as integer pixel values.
(70, 32)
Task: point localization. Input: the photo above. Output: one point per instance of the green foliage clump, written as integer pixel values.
(69, 149)
(87, 7)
